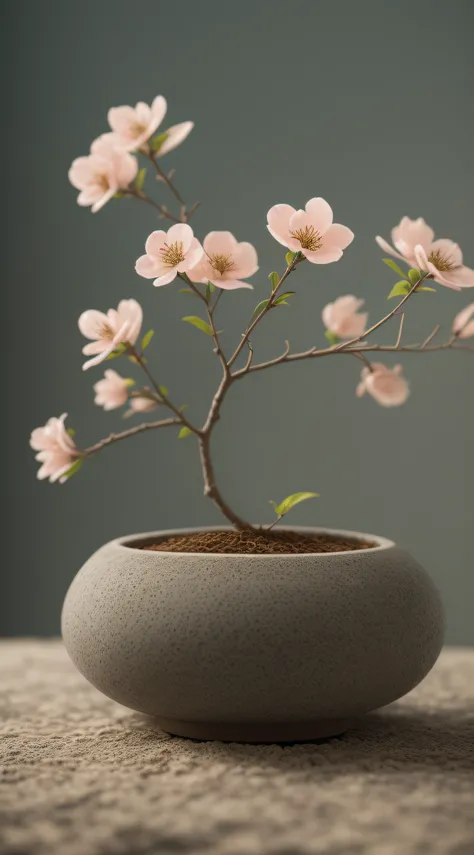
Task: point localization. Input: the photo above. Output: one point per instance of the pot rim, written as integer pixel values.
(127, 542)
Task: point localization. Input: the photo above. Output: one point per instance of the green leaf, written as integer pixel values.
(274, 279)
(332, 337)
(119, 195)
(290, 256)
(139, 180)
(424, 288)
(282, 299)
(163, 390)
(187, 291)
(259, 307)
(210, 288)
(71, 432)
(199, 323)
(147, 338)
(157, 142)
(129, 381)
(393, 266)
(119, 350)
(290, 501)
(74, 468)
(184, 432)
(400, 289)
(414, 275)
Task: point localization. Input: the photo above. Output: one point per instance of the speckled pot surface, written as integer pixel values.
(253, 647)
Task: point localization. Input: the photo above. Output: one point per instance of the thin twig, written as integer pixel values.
(400, 331)
(141, 196)
(430, 337)
(159, 391)
(115, 437)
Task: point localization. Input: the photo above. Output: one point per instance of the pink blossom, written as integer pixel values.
(101, 174)
(225, 262)
(174, 136)
(414, 243)
(463, 325)
(112, 390)
(169, 253)
(57, 449)
(142, 404)
(311, 231)
(386, 385)
(342, 317)
(107, 331)
(133, 126)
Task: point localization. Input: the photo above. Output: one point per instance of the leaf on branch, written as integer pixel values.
(274, 279)
(282, 300)
(290, 257)
(290, 501)
(136, 361)
(74, 468)
(400, 289)
(332, 337)
(163, 390)
(199, 323)
(183, 407)
(258, 308)
(119, 195)
(185, 431)
(157, 142)
(140, 179)
(187, 291)
(71, 432)
(424, 288)
(119, 350)
(129, 381)
(210, 288)
(393, 266)
(147, 339)
(414, 275)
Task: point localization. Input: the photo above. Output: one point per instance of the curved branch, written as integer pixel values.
(116, 437)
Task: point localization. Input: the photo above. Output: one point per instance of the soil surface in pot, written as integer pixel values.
(256, 543)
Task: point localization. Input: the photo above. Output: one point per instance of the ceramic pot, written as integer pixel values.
(253, 648)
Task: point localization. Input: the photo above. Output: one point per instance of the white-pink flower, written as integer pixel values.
(142, 404)
(225, 262)
(169, 253)
(56, 449)
(311, 231)
(112, 390)
(413, 242)
(133, 126)
(463, 325)
(119, 326)
(102, 173)
(386, 385)
(342, 317)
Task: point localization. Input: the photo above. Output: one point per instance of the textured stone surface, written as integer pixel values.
(225, 638)
(84, 776)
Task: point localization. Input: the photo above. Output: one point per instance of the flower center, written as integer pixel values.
(106, 332)
(441, 262)
(172, 255)
(136, 130)
(309, 238)
(221, 263)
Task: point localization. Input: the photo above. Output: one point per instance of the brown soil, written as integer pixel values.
(256, 543)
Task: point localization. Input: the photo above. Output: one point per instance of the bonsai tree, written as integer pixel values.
(209, 267)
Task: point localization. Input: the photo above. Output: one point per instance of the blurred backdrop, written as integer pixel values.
(367, 104)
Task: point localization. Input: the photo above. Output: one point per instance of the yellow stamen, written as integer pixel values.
(221, 263)
(309, 238)
(441, 262)
(172, 255)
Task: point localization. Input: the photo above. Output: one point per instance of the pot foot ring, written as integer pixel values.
(256, 732)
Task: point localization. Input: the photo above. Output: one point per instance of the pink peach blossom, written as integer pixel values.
(133, 126)
(174, 137)
(311, 231)
(386, 385)
(142, 404)
(414, 243)
(342, 317)
(169, 253)
(463, 325)
(102, 173)
(118, 326)
(111, 391)
(57, 449)
(225, 262)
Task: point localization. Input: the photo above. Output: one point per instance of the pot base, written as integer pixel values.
(256, 732)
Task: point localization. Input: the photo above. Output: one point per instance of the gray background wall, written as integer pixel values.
(368, 104)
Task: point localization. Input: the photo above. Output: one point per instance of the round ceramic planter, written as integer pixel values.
(253, 648)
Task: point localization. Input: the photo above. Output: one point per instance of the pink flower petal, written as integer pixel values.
(91, 322)
(409, 233)
(165, 278)
(148, 266)
(180, 233)
(278, 219)
(155, 242)
(230, 284)
(99, 358)
(220, 243)
(337, 236)
(176, 135)
(320, 214)
(387, 248)
(245, 260)
(462, 277)
(449, 251)
(193, 256)
(322, 256)
(158, 110)
(463, 324)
